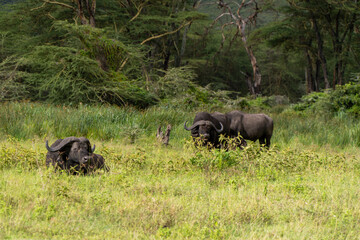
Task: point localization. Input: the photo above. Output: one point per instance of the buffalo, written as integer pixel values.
(208, 127)
(74, 155)
(251, 126)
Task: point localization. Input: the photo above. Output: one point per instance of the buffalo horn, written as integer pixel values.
(93, 149)
(204, 122)
(195, 124)
(63, 143)
(186, 128)
(219, 130)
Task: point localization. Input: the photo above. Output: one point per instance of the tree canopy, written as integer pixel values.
(122, 52)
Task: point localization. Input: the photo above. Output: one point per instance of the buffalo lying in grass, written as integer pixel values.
(251, 126)
(74, 155)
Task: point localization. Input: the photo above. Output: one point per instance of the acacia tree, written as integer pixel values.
(157, 26)
(84, 10)
(336, 21)
(236, 13)
(340, 22)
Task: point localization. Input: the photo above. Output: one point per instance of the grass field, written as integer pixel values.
(305, 187)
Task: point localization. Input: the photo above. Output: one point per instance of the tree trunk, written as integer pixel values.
(90, 7)
(167, 55)
(250, 84)
(321, 51)
(255, 67)
(183, 47)
(317, 75)
(337, 80)
(309, 73)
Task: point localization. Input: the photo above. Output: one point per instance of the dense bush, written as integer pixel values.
(345, 98)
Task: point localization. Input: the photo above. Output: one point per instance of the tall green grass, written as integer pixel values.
(28, 120)
(304, 187)
(23, 120)
(155, 192)
(339, 131)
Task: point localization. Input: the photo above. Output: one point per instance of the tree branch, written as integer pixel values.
(139, 11)
(164, 34)
(43, 5)
(60, 3)
(137, 14)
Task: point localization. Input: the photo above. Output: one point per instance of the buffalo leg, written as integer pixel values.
(262, 141)
(268, 142)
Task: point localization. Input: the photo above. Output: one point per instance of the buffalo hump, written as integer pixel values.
(251, 126)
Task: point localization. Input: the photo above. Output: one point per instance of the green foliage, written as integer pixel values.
(138, 46)
(344, 98)
(315, 101)
(175, 82)
(62, 75)
(269, 164)
(11, 87)
(17, 156)
(347, 98)
(178, 90)
(97, 44)
(261, 103)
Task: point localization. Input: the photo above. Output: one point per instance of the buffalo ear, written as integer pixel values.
(87, 141)
(93, 149)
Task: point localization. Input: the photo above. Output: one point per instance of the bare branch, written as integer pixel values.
(155, 37)
(241, 24)
(137, 14)
(163, 137)
(139, 11)
(222, 31)
(220, 16)
(60, 3)
(234, 38)
(167, 33)
(43, 5)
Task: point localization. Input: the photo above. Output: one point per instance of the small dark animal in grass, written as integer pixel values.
(74, 155)
(251, 126)
(208, 127)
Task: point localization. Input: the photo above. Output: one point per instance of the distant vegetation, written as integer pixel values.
(123, 53)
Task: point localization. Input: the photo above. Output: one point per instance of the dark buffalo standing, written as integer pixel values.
(251, 126)
(208, 127)
(74, 154)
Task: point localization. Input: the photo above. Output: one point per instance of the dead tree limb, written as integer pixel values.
(241, 22)
(167, 33)
(163, 137)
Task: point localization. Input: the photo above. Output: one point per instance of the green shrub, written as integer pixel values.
(267, 163)
(345, 98)
(17, 156)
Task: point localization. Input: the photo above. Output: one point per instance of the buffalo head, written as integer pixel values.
(73, 150)
(204, 130)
